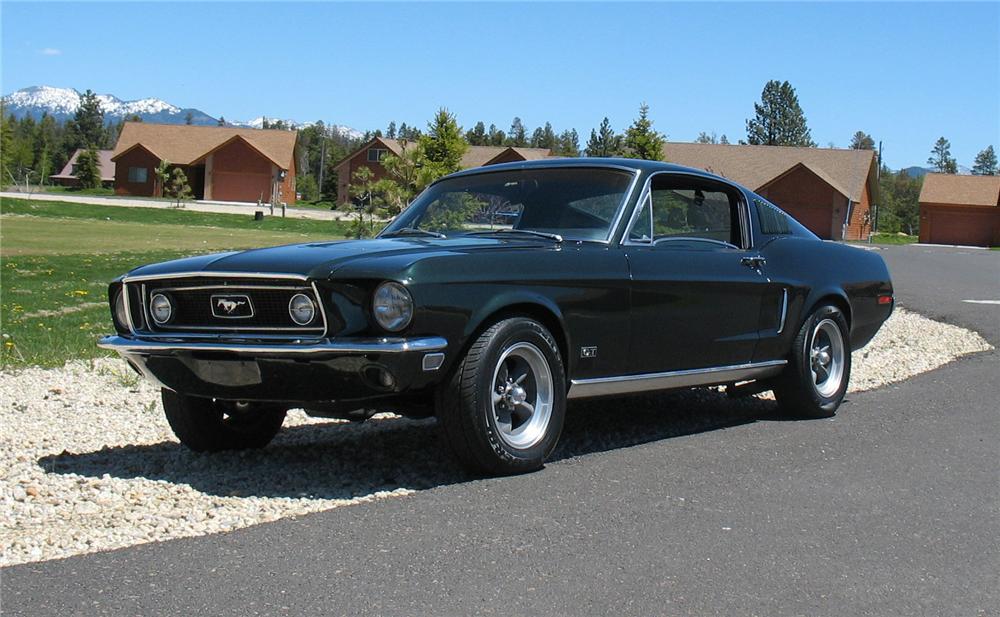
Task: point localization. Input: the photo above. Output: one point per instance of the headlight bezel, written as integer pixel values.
(392, 306)
(312, 308)
(152, 308)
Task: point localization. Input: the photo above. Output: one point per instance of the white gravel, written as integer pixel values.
(87, 462)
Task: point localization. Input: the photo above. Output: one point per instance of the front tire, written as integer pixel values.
(206, 425)
(502, 408)
(815, 381)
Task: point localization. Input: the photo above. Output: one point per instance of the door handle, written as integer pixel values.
(754, 262)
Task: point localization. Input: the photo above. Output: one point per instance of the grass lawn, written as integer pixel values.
(56, 260)
(893, 239)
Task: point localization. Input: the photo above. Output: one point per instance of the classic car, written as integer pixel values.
(496, 296)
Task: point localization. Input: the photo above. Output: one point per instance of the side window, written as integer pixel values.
(642, 229)
(688, 208)
(770, 219)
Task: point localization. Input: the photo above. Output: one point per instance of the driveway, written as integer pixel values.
(891, 508)
(956, 285)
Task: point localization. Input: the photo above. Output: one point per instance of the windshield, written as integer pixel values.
(578, 203)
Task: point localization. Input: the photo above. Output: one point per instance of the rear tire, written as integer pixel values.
(206, 425)
(503, 406)
(815, 381)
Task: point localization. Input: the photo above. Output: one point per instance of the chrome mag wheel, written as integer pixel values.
(826, 358)
(522, 395)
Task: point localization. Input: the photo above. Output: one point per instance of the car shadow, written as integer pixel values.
(344, 461)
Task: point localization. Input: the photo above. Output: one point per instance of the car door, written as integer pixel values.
(696, 289)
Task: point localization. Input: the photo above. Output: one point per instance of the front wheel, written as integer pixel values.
(502, 408)
(207, 425)
(815, 381)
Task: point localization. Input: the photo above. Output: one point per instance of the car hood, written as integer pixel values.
(321, 259)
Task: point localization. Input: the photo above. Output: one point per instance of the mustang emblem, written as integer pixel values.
(231, 306)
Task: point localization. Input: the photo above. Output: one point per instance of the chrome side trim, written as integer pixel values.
(624, 384)
(127, 345)
(784, 310)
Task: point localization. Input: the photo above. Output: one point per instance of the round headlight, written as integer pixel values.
(160, 308)
(392, 306)
(302, 309)
(121, 315)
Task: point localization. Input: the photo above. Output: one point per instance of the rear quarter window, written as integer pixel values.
(771, 220)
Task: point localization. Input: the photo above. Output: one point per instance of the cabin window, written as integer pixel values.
(687, 208)
(137, 174)
(375, 155)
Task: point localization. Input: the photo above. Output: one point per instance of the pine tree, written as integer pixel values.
(569, 143)
(189, 118)
(724, 140)
(495, 137)
(706, 138)
(544, 137)
(444, 144)
(778, 119)
(476, 136)
(88, 170)
(390, 132)
(86, 129)
(862, 141)
(603, 141)
(986, 163)
(179, 187)
(941, 159)
(641, 140)
(517, 136)
(6, 147)
(222, 121)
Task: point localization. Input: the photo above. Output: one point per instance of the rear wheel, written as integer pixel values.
(503, 407)
(206, 425)
(815, 381)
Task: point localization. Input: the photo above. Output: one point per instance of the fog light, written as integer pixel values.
(302, 309)
(160, 308)
(385, 378)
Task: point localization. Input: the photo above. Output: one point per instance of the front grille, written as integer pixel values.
(265, 309)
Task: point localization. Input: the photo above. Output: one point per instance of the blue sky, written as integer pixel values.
(906, 73)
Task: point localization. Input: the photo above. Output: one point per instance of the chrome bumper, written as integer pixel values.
(126, 345)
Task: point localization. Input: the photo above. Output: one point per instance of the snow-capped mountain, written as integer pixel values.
(339, 129)
(61, 103)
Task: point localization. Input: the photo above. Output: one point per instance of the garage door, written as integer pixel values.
(815, 219)
(968, 228)
(236, 186)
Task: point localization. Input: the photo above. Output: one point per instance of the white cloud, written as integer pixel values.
(50, 51)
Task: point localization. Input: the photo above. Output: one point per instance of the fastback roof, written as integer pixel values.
(183, 144)
(960, 190)
(756, 166)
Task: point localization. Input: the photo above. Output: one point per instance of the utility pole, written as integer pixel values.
(878, 182)
(322, 160)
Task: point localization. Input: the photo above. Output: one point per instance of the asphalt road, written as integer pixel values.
(891, 508)
(938, 281)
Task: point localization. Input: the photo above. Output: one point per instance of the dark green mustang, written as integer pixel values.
(498, 294)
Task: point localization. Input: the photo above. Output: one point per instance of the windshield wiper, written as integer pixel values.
(413, 231)
(531, 232)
